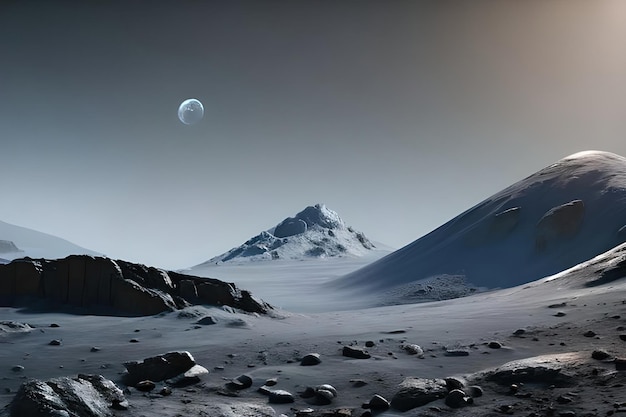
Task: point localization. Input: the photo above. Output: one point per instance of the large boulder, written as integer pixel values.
(82, 396)
(171, 365)
(415, 392)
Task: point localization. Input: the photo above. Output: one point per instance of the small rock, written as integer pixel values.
(145, 386)
(494, 345)
(413, 349)
(567, 414)
(378, 403)
(454, 383)
(456, 352)
(622, 337)
(95, 349)
(355, 353)
(559, 314)
(55, 342)
(241, 382)
(54, 325)
(134, 340)
(370, 344)
(280, 397)
(600, 355)
(589, 333)
(165, 391)
(456, 399)
(271, 382)
(358, 383)
(311, 359)
(120, 405)
(519, 332)
(17, 368)
(324, 397)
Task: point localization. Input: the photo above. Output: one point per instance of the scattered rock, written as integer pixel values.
(145, 386)
(600, 355)
(416, 392)
(413, 349)
(311, 359)
(454, 383)
(456, 352)
(241, 382)
(355, 352)
(457, 399)
(378, 403)
(280, 397)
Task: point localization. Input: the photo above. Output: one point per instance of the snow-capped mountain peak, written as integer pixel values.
(315, 232)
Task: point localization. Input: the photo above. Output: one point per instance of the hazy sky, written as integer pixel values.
(398, 115)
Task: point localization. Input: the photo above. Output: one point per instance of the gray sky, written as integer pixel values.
(398, 115)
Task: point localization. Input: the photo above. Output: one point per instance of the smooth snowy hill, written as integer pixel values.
(19, 242)
(315, 232)
(563, 215)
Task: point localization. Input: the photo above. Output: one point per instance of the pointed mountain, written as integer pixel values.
(315, 232)
(19, 242)
(563, 215)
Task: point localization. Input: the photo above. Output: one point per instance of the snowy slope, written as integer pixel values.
(565, 214)
(19, 242)
(315, 232)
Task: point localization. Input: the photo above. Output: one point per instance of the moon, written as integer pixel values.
(190, 111)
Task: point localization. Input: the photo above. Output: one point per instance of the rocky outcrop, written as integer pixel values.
(559, 222)
(102, 285)
(82, 396)
(7, 246)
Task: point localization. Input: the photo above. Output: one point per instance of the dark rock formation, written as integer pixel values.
(102, 285)
(82, 396)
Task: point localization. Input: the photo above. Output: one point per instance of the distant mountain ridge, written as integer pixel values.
(563, 215)
(315, 232)
(18, 242)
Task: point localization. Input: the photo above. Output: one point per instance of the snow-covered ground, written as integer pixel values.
(558, 217)
(571, 324)
(270, 347)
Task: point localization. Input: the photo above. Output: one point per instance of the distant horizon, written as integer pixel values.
(398, 116)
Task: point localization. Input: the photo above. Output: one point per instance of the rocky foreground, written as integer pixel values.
(573, 369)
